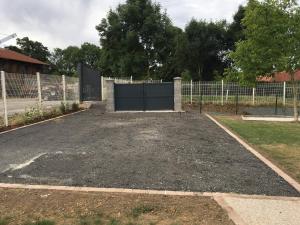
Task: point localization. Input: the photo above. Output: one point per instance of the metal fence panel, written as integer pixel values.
(22, 91)
(218, 92)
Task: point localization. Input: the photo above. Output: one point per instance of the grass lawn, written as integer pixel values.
(279, 142)
(42, 207)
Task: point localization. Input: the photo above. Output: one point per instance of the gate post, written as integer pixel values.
(110, 95)
(38, 80)
(80, 86)
(3, 87)
(177, 94)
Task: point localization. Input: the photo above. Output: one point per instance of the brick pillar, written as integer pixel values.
(110, 95)
(177, 94)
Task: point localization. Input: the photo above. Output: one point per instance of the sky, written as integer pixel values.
(60, 23)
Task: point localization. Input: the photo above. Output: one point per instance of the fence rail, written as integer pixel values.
(227, 93)
(22, 92)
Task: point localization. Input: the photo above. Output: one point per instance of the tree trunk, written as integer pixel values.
(295, 93)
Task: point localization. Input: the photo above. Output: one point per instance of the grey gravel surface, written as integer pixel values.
(163, 151)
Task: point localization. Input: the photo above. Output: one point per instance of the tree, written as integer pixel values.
(235, 30)
(57, 62)
(64, 61)
(135, 39)
(205, 43)
(31, 48)
(272, 44)
(90, 55)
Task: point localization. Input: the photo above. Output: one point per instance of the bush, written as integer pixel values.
(62, 108)
(75, 106)
(143, 209)
(32, 114)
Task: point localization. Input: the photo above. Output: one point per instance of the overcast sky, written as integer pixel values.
(60, 23)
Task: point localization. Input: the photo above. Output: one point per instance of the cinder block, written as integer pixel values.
(177, 94)
(110, 95)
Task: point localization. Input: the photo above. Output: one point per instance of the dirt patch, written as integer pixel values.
(61, 207)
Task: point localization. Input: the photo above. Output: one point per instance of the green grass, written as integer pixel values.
(114, 222)
(4, 221)
(92, 220)
(41, 222)
(143, 209)
(279, 142)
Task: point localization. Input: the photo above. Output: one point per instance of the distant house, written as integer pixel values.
(279, 77)
(14, 62)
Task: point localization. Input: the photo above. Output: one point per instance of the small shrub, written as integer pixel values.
(75, 106)
(94, 220)
(137, 211)
(41, 222)
(62, 108)
(67, 107)
(114, 222)
(32, 114)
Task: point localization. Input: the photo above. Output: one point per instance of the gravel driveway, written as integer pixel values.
(164, 151)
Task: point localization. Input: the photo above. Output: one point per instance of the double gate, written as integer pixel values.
(144, 97)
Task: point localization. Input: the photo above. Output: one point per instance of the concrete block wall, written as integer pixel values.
(177, 95)
(110, 95)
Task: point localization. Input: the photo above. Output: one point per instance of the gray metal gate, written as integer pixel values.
(144, 97)
(90, 83)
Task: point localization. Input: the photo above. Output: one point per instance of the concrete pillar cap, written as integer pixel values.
(177, 78)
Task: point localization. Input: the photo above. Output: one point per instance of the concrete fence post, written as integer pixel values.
(3, 86)
(39, 87)
(284, 94)
(191, 100)
(110, 95)
(227, 94)
(177, 94)
(64, 89)
(253, 96)
(102, 88)
(222, 95)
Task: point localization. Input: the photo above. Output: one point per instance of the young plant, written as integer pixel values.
(75, 106)
(62, 108)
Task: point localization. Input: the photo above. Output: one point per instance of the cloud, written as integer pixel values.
(60, 23)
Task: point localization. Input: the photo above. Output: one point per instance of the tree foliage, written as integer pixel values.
(235, 30)
(64, 61)
(272, 34)
(205, 43)
(137, 39)
(31, 48)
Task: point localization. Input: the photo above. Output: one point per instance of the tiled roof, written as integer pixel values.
(279, 77)
(12, 55)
